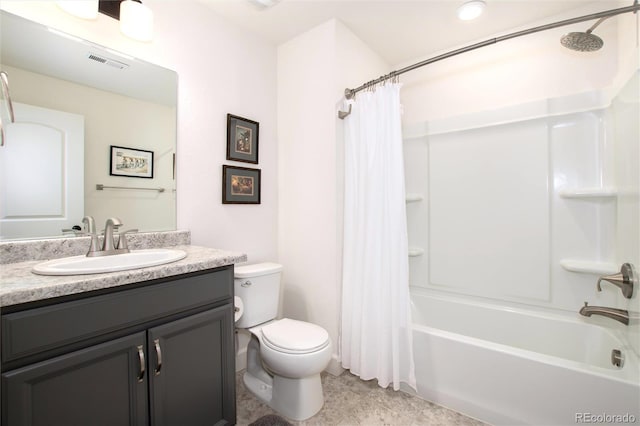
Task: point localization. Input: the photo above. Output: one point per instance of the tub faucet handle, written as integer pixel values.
(625, 280)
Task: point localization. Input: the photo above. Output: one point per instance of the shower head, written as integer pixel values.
(584, 42)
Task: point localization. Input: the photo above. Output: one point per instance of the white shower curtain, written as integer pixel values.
(376, 338)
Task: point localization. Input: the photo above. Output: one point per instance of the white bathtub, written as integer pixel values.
(511, 366)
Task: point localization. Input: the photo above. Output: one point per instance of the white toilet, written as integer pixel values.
(285, 357)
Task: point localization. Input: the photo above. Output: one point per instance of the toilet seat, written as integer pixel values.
(294, 337)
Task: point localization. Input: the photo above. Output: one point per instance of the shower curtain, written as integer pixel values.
(376, 338)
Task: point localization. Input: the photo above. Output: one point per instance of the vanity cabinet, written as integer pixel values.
(156, 353)
(92, 386)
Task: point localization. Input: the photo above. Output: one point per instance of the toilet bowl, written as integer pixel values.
(294, 387)
(285, 356)
(294, 348)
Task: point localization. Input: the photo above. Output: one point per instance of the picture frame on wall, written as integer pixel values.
(131, 162)
(240, 185)
(242, 139)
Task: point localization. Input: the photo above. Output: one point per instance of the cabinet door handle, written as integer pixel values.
(141, 359)
(156, 344)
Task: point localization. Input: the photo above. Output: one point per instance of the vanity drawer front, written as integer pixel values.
(38, 330)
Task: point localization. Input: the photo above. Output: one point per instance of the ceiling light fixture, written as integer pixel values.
(471, 10)
(136, 20)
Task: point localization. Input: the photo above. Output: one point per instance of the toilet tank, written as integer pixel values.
(258, 286)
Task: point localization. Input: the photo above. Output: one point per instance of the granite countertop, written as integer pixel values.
(19, 285)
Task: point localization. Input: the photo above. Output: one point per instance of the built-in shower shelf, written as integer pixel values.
(413, 198)
(415, 251)
(588, 267)
(596, 192)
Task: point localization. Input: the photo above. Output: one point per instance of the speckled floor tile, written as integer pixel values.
(350, 401)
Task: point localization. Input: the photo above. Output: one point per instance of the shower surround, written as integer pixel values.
(513, 215)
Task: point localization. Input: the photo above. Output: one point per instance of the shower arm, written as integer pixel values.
(598, 22)
(601, 16)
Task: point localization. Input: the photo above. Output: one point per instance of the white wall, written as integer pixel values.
(313, 71)
(221, 69)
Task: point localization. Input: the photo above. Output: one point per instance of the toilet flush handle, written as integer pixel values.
(246, 284)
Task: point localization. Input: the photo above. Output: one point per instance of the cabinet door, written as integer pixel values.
(101, 385)
(192, 370)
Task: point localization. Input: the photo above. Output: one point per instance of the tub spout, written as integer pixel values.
(620, 315)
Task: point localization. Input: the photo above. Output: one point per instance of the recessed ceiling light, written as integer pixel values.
(471, 10)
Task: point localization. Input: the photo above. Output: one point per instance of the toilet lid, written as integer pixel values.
(293, 336)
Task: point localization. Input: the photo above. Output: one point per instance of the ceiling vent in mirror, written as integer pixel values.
(111, 62)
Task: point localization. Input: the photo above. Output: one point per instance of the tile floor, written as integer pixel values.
(351, 401)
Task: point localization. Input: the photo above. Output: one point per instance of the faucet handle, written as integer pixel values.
(94, 245)
(122, 239)
(625, 280)
(78, 232)
(75, 229)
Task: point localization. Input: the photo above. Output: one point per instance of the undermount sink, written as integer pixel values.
(79, 265)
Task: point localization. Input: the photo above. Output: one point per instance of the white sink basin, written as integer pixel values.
(79, 265)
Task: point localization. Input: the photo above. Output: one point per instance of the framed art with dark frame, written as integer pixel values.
(131, 162)
(240, 185)
(242, 139)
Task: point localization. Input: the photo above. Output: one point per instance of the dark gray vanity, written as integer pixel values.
(149, 352)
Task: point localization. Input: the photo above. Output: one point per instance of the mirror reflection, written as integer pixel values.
(80, 109)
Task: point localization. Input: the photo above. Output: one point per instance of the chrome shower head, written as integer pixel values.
(582, 42)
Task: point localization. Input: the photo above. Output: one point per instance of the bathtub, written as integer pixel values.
(510, 366)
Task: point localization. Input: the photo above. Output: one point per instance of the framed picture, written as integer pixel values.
(240, 185)
(242, 139)
(131, 162)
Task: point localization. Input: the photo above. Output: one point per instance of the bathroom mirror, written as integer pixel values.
(116, 158)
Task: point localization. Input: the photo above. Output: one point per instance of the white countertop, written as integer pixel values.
(19, 285)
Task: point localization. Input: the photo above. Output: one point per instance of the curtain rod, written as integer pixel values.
(351, 93)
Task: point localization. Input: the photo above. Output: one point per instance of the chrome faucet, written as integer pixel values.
(108, 245)
(620, 315)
